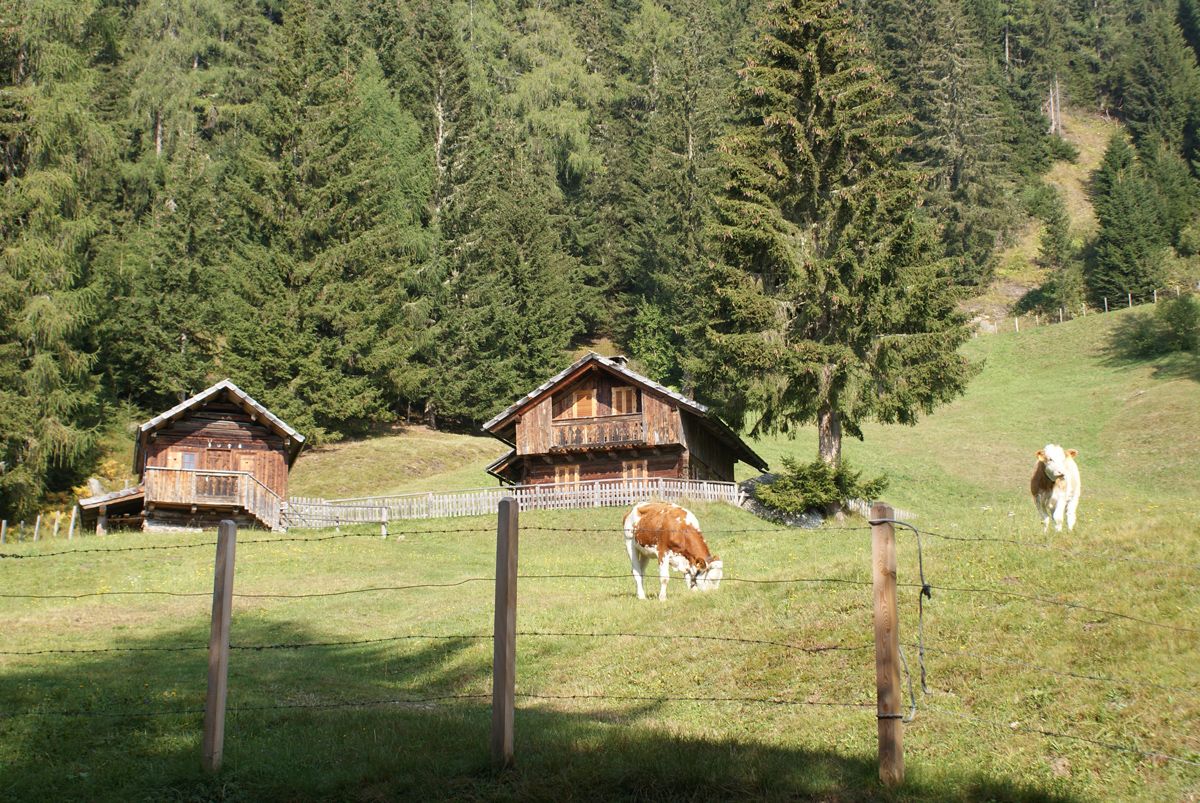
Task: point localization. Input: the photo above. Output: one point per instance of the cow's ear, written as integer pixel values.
(1041, 455)
(1072, 452)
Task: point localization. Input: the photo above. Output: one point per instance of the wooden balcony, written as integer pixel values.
(202, 488)
(572, 434)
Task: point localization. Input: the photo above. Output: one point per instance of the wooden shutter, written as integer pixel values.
(566, 473)
(624, 400)
(583, 403)
(174, 459)
(633, 469)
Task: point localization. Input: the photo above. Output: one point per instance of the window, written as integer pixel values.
(624, 401)
(566, 473)
(633, 469)
(583, 403)
(188, 461)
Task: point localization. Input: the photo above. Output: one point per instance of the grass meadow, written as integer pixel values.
(595, 715)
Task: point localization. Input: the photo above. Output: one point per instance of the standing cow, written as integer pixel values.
(671, 534)
(1055, 486)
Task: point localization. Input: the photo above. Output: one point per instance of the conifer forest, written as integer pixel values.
(363, 211)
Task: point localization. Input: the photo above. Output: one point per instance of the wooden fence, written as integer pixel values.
(310, 512)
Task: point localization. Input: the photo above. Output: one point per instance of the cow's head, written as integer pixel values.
(1054, 460)
(709, 572)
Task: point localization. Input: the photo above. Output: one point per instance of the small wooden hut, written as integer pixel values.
(599, 420)
(218, 455)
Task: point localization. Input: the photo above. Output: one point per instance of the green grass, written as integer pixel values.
(962, 471)
(417, 459)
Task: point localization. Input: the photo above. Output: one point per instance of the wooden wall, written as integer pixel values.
(709, 457)
(672, 465)
(222, 437)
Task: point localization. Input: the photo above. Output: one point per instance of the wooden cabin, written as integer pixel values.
(599, 420)
(218, 455)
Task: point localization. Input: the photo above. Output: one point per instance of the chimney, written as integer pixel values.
(619, 359)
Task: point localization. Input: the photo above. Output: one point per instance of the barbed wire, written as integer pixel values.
(1019, 728)
(1061, 603)
(1063, 673)
(248, 542)
(449, 637)
(1079, 553)
(693, 699)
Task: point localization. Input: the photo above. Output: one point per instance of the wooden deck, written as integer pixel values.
(310, 512)
(238, 490)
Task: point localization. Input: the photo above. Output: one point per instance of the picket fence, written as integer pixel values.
(313, 512)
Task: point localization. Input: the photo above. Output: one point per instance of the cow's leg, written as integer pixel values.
(1072, 503)
(1060, 509)
(664, 574)
(1040, 504)
(638, 562)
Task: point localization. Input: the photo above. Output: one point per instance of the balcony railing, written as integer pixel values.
(609, 430)
(238, 489)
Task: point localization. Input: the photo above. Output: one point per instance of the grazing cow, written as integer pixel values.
(671, 534)
(1055, 486)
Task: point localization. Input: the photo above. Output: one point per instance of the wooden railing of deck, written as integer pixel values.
(580, 433)
(310, 512)
(239, 489)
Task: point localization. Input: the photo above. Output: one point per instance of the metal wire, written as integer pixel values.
(1077, 553)
(1012, 726)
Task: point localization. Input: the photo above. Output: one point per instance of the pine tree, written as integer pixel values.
(512, 311)
(838, 305)
(1160, 83)
(1128, 253)
(54, 148)
(1058, 254)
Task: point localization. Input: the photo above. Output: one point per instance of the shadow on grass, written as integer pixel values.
(1135, 340)
(418, 750)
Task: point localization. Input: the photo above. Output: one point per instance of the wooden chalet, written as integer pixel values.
(599, 420)
(218, 455)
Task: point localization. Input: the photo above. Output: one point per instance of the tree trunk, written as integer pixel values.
(829, 434)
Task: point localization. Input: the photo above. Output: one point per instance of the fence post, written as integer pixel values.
(887, 646)
(218, 647)
(1156, 296)
(383, 521)
(504, 653)
(57, 522)
(1106, 305)
(3, 530)
(1016, 323)
(1130, 297)
(37, 525)
(102, 520)
(1060, 314)
(71, 528)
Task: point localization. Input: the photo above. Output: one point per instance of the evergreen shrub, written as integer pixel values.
(1174, 326)
(816, 486)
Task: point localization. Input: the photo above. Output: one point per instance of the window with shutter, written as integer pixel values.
(583, 403)
(634, 469)
(624, 401)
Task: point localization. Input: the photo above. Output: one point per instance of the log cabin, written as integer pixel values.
(218, 455)
(599, 420)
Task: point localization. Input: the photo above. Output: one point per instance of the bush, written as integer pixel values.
(816, 486)
(1174, 326)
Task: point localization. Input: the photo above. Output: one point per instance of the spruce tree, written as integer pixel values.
(1127, 255)
(55, 149)
(835, 305)
(512, 310)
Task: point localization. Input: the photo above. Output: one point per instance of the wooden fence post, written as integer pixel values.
(1106, 305)
(37, 525)
(383, 521)
(57, 522)
(1017, 324)
(504, 654)
(1156, 296)
(102, 520)
(3, 530)
(887, 646)
(1060, 314)
(218, 647)
(1130, 297)
(71, 528)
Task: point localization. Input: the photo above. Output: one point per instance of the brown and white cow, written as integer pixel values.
(671, 534)
(1055, 486)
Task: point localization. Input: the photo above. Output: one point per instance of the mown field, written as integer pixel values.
(596, 716)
